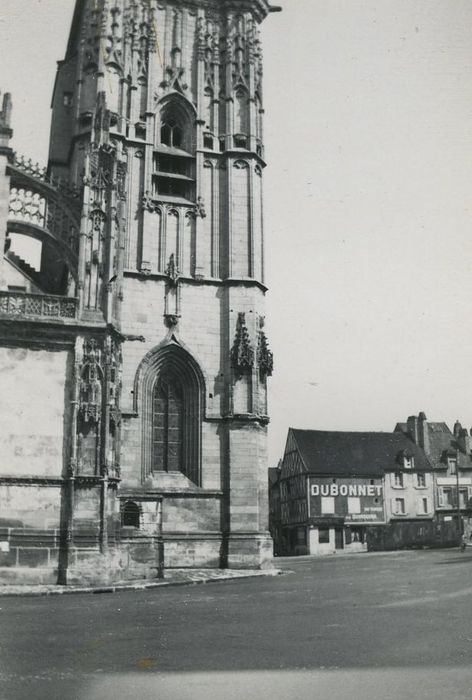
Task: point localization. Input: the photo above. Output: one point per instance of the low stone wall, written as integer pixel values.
(29, 554)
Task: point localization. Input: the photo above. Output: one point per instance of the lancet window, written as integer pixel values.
(167, 428)
(172, 389)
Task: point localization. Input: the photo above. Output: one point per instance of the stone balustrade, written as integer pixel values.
(20, 305)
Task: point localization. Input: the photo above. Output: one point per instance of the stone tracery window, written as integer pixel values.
(171, 133)
(167, 426)
(171, 392)
(176, 124)
(174, 164)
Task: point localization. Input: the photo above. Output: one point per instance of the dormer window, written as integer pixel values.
(451, 465)
(405, 459)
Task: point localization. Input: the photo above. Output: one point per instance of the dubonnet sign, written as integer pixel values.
(356, 500)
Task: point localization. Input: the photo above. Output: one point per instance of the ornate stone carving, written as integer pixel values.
(102, 121)
(200, 207)
(174, 79)
(21, 304)
(100, 169)
(91, 379)
(113, 50)
(242, 353)
(121, 171)
(171, 320)
(265, 358)
(172, 271)
(147, 202)
(26, 205)
(113, 361)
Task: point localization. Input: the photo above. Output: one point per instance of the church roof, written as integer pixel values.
(356, 453)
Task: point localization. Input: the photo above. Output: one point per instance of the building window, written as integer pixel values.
(208, 141)
(425, 505)
(446, 498)
(408, 462)
(171, 133)
(177, 124)
(323, 535)
(169, 393)
(421, 481)
(451, 466)
(463, 498)
(399, 506)
(353, 504)
(167, 426)
(240, 141)
(327, 505)
(358, 534)
(130, 515)
(398, 480)
(67, 99)
(174, 165)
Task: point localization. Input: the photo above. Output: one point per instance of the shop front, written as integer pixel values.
(340, 510)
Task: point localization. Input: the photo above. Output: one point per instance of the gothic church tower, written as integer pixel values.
(157, 114)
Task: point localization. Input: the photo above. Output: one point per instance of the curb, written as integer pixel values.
(347, 555)
(142, 586)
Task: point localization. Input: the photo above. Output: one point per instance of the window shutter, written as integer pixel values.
(420, 506)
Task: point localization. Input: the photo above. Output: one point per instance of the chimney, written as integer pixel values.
(423, 433)
(457, 429)
(412, 428)
(464, 441)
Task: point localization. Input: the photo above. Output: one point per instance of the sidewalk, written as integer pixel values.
(173, 577)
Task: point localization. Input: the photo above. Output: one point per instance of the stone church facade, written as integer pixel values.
(133, 350)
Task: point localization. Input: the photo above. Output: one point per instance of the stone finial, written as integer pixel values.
(5, 114)
(5, 121)
(242, 354)
(265, 358)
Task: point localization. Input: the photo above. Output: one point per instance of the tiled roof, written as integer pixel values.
(441, 439)
(355, 453)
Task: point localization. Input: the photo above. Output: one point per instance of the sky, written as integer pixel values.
(368, 200)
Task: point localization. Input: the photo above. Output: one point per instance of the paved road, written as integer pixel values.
(365, 626)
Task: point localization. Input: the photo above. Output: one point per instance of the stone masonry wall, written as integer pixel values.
(32, 436)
